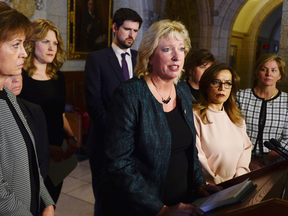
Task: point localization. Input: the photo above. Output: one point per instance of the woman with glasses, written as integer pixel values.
(265, 109)
(224, 148)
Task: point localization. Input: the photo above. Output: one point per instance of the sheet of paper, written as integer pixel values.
(219, 198)
(59, 171)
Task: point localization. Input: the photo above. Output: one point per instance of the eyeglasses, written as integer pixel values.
(217, 83)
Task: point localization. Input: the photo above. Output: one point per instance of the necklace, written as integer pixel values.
(268, 98)
(165, 101)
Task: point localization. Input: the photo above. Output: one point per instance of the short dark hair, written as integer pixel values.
(195, 59)
(124, 14)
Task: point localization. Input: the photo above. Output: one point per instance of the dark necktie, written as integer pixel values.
(125, 66)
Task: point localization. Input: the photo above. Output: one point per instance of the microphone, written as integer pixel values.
(277, 144)
(275, 147)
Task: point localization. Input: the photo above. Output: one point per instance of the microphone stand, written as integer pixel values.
(284, 185)
(270, 146)
(275, 145)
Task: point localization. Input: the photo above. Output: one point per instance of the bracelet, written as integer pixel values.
(72, 137)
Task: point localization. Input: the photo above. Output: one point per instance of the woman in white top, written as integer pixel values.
(223, 145)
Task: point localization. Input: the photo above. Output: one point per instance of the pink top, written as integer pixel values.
(224, 148)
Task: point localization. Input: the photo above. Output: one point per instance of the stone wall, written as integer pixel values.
(283, 44)
(215, 17)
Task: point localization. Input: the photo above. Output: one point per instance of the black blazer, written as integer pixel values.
(37, 123)
(102, 75)
(138, 149)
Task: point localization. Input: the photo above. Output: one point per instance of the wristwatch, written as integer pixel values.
(72, 137)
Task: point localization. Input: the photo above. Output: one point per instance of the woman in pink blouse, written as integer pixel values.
(224, 148)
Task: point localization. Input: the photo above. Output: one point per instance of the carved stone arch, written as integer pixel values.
(274, 30)
(223, 21)
(205, 7)
(250, 41)
(186, 11)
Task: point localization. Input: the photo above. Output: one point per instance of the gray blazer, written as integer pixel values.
(15, 190)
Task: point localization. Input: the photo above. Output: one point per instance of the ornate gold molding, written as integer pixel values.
(74, 17)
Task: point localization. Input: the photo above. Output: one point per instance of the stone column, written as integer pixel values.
(283, 44)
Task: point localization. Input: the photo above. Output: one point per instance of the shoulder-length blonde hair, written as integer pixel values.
(230, 106)
(40, 30)
(151, 39)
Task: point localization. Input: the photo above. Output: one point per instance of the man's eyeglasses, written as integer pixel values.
(217, 83)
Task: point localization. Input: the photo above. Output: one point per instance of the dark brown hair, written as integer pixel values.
(195, 59)
(230, 106)
(13, 23)
(123, 14)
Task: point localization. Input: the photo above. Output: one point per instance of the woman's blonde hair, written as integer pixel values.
(230, 106)
(40, 30)
(151, 39)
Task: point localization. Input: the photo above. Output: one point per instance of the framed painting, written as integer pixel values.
(233, 57)
(89, 27)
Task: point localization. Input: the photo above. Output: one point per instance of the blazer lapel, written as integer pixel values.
(134, 58)
(115, 64)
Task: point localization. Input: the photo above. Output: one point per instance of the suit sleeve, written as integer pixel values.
(9, 203)
(120, 145)
(42, 145)
(93, 94)
(44, 194)
(284, 137)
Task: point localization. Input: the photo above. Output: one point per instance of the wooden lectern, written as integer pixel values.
(265, 199)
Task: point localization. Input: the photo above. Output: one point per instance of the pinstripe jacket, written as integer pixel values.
(15, 190)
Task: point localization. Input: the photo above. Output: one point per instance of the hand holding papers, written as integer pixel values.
(58, 171)
(227, 196)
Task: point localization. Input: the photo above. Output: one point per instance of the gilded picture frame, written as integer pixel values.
(89, 27)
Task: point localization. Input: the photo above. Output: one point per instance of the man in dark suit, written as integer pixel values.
(36, 121)
(104, 71)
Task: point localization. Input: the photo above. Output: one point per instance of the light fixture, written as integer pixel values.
(39, 4)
